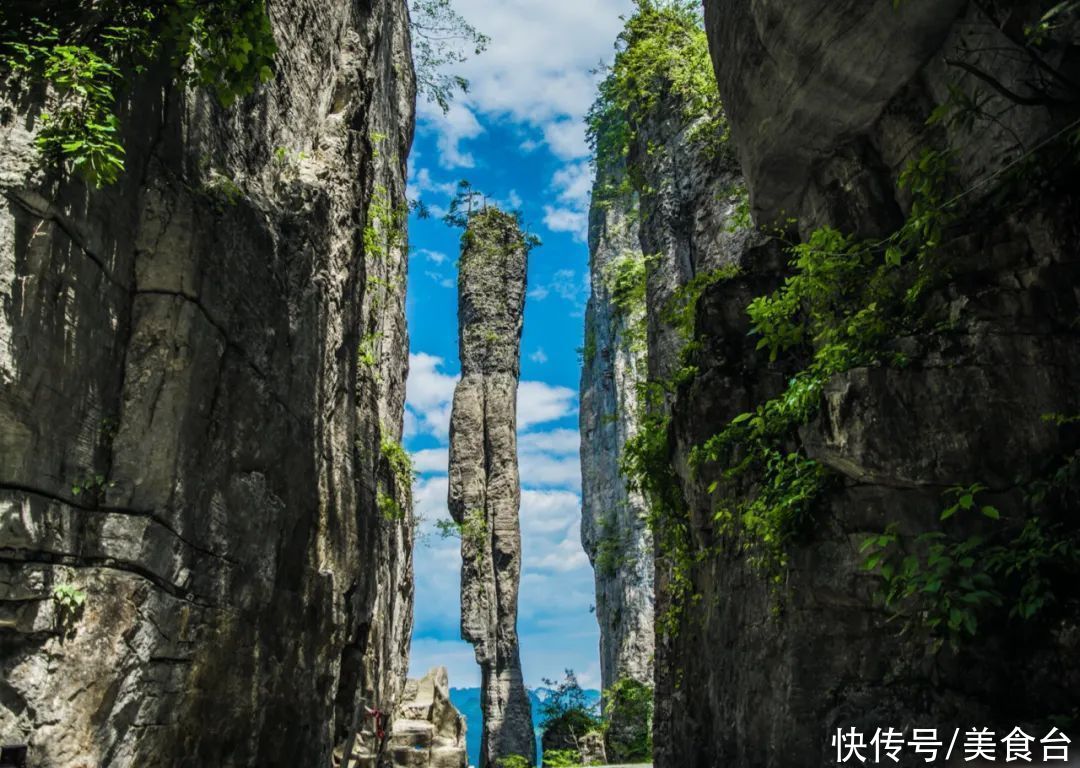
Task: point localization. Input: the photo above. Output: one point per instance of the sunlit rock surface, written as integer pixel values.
(485, 492)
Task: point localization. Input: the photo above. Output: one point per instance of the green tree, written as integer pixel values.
(87, 52)
(442, 39)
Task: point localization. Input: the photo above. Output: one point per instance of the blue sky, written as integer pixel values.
(519, 137)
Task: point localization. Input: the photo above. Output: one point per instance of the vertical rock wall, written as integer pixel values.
(828, 102)
(189, 434)
(613, 527)
(485, 491)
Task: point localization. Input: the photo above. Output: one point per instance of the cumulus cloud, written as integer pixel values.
(431, 460)
(539, 356)
(539, 403)
(538, 70)
(558, 441)
(567, 220)
(429, 392)
(457, 125)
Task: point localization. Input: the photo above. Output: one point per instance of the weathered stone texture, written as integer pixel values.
(428, 730)
(613, 527)
(187, 434)
(827, 103)
(485, 493)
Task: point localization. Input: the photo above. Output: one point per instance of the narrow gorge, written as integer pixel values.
(808, 488)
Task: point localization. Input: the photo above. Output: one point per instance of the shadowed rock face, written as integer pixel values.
(613, 528)
(827, 102)
(188, 434)
(485, 493)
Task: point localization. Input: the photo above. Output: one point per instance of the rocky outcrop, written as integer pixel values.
(428, 731)
(613, 527)
(190, 438)
(585, 748)
(827, 103)
(485, 493)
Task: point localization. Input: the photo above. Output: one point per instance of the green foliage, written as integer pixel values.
(386, 225)
(69, 601)
(611, 555)
(399, 461)
(587, 352)
(944, 585)
(366, 354)
(513, 761)
(441, 38)
(472, 529)
(646, 465)
(662, 51)
(624, 277)
(86, 53)
(89, 485)
(741, 217)
(566, 705)
(628, 715)
(562, 758)
(843, 303)
(1057, 17)
(389, 507)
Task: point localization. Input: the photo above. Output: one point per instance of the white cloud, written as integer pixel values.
(565, 284)
(538, 70)
(429, 393)
(435, 257)
(539, 403)
(573, 183)
(548, 511)
(441, 279)
(566, 556)
(567, 220)
(566, 139)
(539, 356)
(421, 181)
(541, 470)
(457, 125)
(558, 441)
(431, 460)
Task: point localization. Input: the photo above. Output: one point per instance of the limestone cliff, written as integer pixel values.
(201, 384)
(861, 413)
(485, 492)
(784, 640)
(613, 527)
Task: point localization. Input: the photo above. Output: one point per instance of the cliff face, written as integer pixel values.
(828, 102)
(485, 491)
(613, 527)
(201, 371)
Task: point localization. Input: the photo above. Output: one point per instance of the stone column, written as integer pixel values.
(485, 492)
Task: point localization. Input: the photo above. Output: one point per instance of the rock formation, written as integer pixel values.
(428, 731)
(205, 549)
(613, 526)
(766, 646)
(613, 529)
(485, 493)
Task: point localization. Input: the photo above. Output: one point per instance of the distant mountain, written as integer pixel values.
(467, 700)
